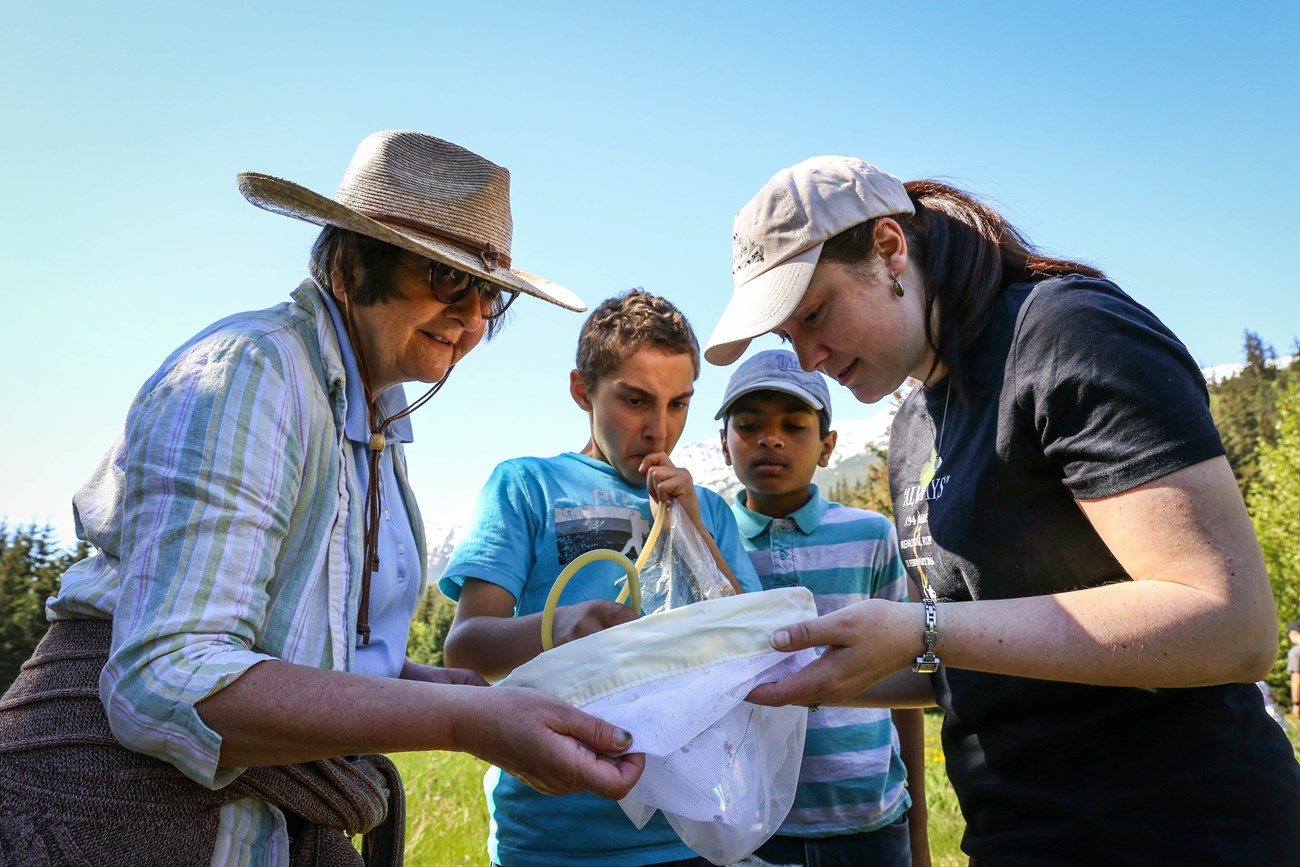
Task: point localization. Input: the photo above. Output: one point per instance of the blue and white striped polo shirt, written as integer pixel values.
(852, 779)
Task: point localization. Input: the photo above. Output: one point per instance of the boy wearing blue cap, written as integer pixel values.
(852, 804)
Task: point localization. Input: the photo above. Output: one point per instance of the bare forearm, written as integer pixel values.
(721, 561)
(494, 646)
(902, 689)
(1141, 633)
(911, 747)
(279, 713)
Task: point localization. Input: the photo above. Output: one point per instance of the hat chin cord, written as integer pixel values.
(374, 489)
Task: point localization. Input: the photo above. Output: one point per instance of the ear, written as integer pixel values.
(890, 244)
(578, 390)
(828, 446)
(726, 452)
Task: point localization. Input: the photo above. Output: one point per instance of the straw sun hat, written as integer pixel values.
(422, 194)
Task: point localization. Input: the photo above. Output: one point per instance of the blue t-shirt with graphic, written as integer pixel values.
(533, 517)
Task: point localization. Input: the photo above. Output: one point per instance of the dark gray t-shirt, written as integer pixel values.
(1084, 394)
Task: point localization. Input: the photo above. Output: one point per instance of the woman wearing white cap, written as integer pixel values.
(258, 556)
(1088, 571)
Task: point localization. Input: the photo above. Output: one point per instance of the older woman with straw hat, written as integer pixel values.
(258, 555)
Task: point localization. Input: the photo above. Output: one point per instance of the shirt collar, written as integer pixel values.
(393, 400)
(807, 517)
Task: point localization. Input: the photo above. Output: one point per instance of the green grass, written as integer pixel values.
(446, 816)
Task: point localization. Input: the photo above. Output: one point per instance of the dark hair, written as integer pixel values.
(625, 323)
(967, 253)
(372, 263)
(823, 417)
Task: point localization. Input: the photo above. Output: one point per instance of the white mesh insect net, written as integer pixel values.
(723, 771)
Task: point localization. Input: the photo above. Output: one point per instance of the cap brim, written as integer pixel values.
(294, 200)
(759, 305)
(780, 385)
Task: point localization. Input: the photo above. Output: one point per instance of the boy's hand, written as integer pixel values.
(667, 482)
(585, 618)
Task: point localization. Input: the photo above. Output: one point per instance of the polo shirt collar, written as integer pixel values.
(393, 400)
(807, 517)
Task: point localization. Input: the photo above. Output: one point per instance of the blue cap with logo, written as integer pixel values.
(777, 370)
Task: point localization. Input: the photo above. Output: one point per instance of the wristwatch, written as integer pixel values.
(927, 662)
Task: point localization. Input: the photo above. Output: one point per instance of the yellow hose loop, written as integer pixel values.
(661, 517)
(553, 599)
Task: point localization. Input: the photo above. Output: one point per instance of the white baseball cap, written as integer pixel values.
(778, 238)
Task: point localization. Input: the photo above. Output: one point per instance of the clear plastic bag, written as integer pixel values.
(679, 568)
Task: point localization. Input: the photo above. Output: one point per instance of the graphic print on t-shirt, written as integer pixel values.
(579, 529)
(916, 539)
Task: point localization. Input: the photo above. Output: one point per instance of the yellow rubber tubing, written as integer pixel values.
(553, 598)
(660, 515)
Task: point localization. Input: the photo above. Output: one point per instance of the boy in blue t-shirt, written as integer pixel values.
(852, 803)
(637, 362)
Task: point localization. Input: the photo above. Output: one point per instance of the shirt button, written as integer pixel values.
(784, 554)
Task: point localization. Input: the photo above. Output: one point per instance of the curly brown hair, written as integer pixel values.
(625, 323)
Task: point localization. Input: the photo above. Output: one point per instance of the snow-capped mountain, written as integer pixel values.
(849, 460)
(1220, 372)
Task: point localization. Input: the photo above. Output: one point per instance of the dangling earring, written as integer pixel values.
(898, 287)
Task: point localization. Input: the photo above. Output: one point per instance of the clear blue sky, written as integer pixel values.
(1157, 140)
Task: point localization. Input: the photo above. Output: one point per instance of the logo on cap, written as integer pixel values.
(744, 252)
(788, 362)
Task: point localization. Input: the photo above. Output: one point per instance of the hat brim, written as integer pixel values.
(759, 305)
(780, 385)
(294, 200)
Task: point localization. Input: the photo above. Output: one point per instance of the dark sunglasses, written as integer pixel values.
(449, 285)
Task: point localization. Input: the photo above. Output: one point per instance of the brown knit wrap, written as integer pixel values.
(71, 795)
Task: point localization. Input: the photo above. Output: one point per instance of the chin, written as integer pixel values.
(630, 474)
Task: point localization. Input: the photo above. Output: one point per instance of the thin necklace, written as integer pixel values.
(943, 420)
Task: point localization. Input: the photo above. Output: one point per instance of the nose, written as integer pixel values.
(811, 354)
(770, 438)
(656, 427)
(467, 311)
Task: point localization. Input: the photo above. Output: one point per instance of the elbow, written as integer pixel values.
(455, 652)
(1257, 661)
(1254, 651)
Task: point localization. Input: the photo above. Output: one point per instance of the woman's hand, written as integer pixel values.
(865, 642)
(586, 618)
(550, 745)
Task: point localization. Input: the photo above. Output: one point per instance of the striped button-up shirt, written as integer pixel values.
(227, 523)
